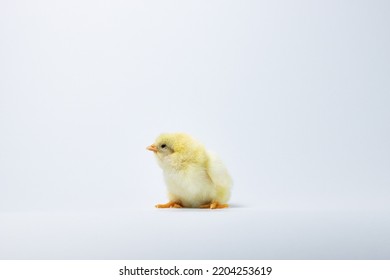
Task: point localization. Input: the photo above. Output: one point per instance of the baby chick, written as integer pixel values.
(194, 176)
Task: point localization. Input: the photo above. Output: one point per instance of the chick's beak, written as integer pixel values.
(152, 148)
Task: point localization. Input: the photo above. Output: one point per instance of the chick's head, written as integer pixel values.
(176, 149)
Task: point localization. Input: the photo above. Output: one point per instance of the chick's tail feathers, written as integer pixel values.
(220, 177)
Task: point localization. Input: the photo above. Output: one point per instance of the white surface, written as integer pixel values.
(294, 97)
(236, 233)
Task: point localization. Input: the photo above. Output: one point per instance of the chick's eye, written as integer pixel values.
(163, 146)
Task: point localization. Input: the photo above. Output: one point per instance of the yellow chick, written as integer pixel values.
(195, 177)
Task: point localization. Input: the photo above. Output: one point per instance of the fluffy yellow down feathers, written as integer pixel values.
(194, 177)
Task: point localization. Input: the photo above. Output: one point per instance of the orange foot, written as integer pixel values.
(170, 204)
(214, 205)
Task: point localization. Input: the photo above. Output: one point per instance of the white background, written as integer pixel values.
(293, 95)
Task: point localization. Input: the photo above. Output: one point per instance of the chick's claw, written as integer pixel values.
(169, 205)
(165, 205)
(214, 205)
(177, 206)
(205, 205)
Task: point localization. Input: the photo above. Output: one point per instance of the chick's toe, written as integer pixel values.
(165, 205)
(170, 204)
(214, 205)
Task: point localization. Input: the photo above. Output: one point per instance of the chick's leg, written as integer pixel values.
(170, 204)
(205, 205)
(214, 205)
